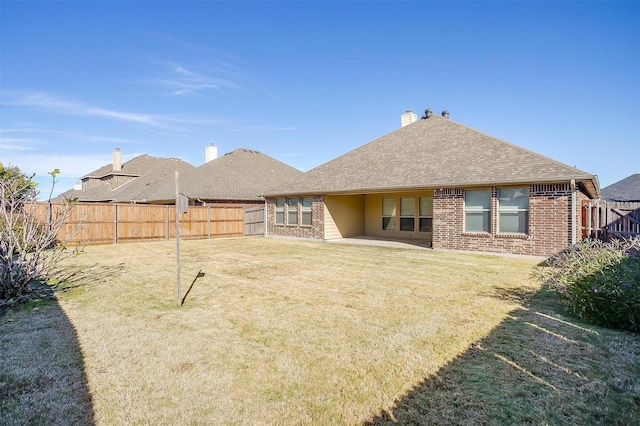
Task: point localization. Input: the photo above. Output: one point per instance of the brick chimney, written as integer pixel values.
(117, 160)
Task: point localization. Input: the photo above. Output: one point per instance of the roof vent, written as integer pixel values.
(427, 113)
(445, 113)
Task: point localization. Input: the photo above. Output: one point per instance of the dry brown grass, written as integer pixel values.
(290, 332)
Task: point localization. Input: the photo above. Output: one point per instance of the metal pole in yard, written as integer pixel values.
(178, 238)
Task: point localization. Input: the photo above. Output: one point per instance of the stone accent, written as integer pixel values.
(315, 231)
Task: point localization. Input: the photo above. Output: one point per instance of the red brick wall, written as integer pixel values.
(316, 230)
(549, 222)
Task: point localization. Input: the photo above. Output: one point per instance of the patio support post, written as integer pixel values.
(574, 238)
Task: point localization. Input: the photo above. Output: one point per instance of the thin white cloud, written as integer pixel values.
(157, 123)
(46, 131)
(17, 144)
(62, 106)
(119, 115)
(182, 81)
(70, 165)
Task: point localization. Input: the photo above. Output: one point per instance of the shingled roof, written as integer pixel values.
(627, 189)
(433, 153)
(242, 174)
(154, 181)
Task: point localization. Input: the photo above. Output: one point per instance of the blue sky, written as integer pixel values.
(305, 82)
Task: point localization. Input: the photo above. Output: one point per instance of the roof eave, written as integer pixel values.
(590, 185)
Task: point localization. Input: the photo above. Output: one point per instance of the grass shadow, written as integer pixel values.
(536, 367)
(42, 374)
(72, 277)
(200, 274)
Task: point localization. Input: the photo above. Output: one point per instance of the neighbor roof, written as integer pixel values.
(627, 189)
(242, 174)
(154, 181)
(135, 167)
(433, 153)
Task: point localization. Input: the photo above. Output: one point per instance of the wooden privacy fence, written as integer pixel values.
(91, 223)
(606, 219)
(254, 221)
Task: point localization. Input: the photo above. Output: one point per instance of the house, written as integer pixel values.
(625, 190)
(143, 179)
(238, 177)
(441, 183)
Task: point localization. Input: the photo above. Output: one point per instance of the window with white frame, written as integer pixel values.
(407, 214)
(513, 210)
(305, 210)
(280, 211)
(389, 214)
(292, 211)
(425, 214)
(477, 210)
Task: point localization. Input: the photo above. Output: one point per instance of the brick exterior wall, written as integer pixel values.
(549, 222)
(316, 230)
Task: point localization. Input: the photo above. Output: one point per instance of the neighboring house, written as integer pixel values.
(627, 189)
(238, 177)
(440, 183)
(143, 179)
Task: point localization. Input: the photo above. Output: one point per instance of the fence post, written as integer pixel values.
(589, 219)
(209, 221)
(115, 224)
(166, 228)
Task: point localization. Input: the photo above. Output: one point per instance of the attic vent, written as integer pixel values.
(445, 113)
(427, 113)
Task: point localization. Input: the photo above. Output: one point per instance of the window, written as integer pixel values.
(477, 210)
(389, 214)
(513, 210)
(426, 214)
(292, 211)
(280, 211)
(306, 203)
(407, 214)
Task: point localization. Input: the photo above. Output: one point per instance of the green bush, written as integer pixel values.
(600, 281)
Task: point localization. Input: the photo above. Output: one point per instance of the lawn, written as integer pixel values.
(276, 331)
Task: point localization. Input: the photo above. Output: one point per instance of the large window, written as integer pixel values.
(389, 214)
(280, 211)
(477, 210)
(426, 214)
(305, 208)
(513, 210)
(407, 214)
(292, 211)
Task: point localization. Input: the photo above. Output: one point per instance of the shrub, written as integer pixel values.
(600, 281)
(29, 247)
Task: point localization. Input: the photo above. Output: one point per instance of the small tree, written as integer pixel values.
(29, 245)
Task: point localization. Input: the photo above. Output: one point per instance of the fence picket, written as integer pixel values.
(606, 219)
(94, 223)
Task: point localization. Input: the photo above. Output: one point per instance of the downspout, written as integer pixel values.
(574, 238)
(265, 233)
